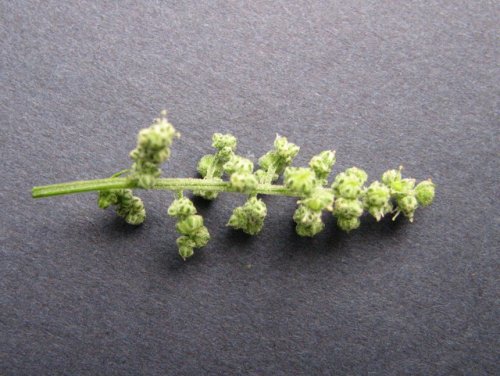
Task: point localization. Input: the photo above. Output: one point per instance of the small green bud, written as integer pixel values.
(261, 176)
(243, 181)
(347, 186)
(238, 164)
(221, 141)
(322, 164)
(128, 206)
(205, 163)
(347, 208)
(285, 149)
(402, 187)
(224, 155)
(424, 192)
(190, 224)
(136, 217)
(348, 224)
(186, 246)
(318, 200)
(310, 229)
(308, 222)
(377, 194)
(360, 174)
(250, 217)
(280, 157)
(106, 199)
(200, 237)
(300, 179)
(407, 205)
(153, 148)
(303, 214)
(181, 207)
(391, 176)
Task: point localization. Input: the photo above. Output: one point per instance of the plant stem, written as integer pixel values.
(169, 184)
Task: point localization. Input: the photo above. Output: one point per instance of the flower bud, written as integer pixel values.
(190, 224)
(136, 217)
(322, 164)
(310, 229)
(407, 205)
(238, 164)
(200, 237)
(348, 224)
(377, 194)
(402, 187)
(106, 199)
(360, 174)
(390, 176)
(128, 206)
(153, 148)
(250, 217)
(347, 186)
(186, 246)
(347, 208)
(319, 200)
(220, 141)
(181, 207)
(204, 164)
(300, 179)
(424, 192)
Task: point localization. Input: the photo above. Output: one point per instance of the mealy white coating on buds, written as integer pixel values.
(190, 225)
(153, 148)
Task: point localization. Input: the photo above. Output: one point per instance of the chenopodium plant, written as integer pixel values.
(347, 198)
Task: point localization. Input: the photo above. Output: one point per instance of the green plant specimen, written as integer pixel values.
(347, 198)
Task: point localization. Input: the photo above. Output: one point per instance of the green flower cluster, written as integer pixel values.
(211, 166)
(348, 189)
(273, 163)
(190, 225)
(153, 148)
(377, 200)
(308, 183)
(250, 216)
(347, 198)
(241, 174)
(407, 196)
(128, 206)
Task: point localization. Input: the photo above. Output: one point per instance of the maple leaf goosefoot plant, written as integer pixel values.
(347, 198)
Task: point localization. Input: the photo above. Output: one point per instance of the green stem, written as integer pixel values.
(170, 184)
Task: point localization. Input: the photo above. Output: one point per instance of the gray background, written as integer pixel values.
(383, 82)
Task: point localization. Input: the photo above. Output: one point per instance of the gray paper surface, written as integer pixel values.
(383, 83)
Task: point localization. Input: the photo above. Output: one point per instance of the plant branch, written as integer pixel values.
(169, 184)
